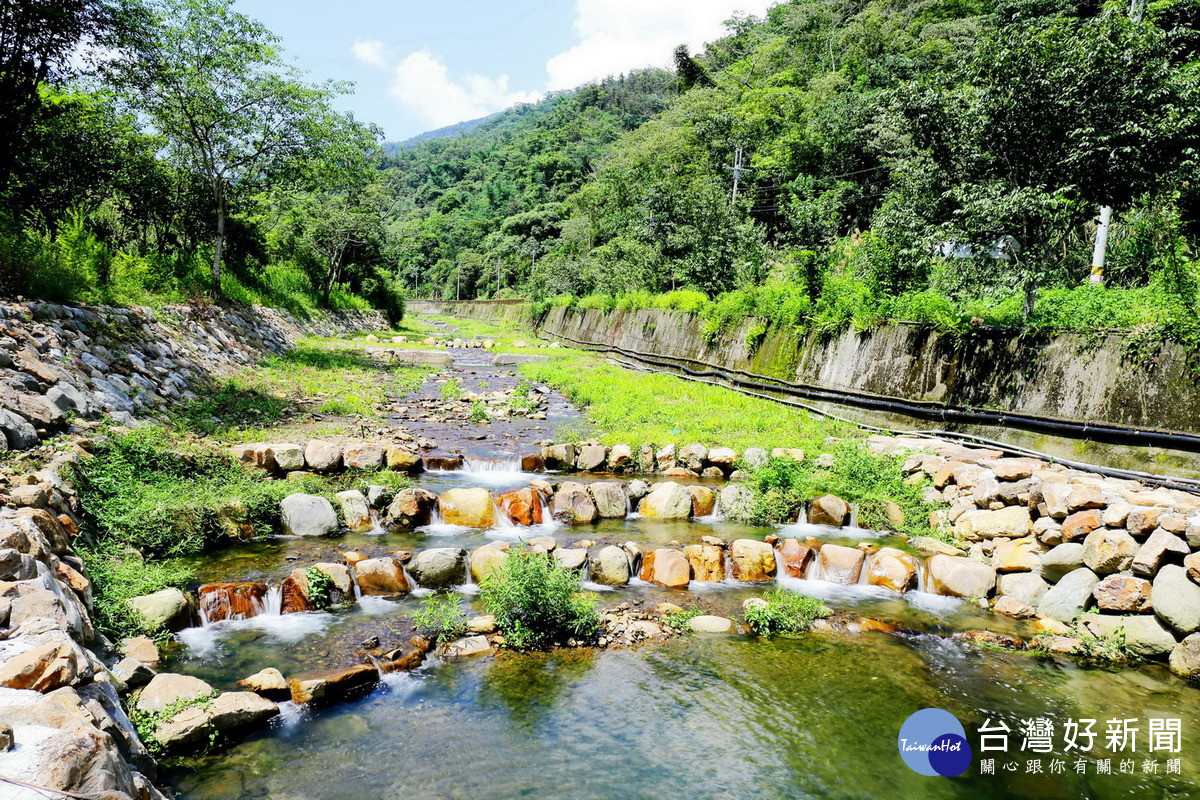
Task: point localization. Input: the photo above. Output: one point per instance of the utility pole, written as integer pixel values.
(532, 257)
(737, 169)
(1101, 248)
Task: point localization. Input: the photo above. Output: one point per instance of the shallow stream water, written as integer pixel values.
(696, 717)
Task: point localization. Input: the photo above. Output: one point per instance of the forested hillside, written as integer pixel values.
(879, 138)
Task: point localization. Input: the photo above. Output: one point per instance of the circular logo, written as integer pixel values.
(933, 742)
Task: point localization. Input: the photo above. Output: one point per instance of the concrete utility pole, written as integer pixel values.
(1101, 245)
(737, 169)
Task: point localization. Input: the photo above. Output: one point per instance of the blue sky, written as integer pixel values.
(421, 65)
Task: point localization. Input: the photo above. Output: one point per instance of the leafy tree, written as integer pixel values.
(213, 83)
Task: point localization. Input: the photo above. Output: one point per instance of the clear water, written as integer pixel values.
(696, 717)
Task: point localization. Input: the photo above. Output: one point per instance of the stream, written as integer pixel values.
(697, 716)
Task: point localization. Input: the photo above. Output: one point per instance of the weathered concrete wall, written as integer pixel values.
(58, 361)
(1088, 377)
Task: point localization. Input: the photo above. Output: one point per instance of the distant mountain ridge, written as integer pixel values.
(448, 132)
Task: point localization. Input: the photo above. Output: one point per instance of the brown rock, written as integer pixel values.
(829, 510)
(1160, 548)
(45, 668)
(893, 569)
(1087, 497)
(332, 686)
(381, 576)
(794, 557)
(752, 560)
(1143, 519)
(1078, 525)
(1017, 555)
(219, 601)
(523, 506)
(269, 683)
(704, 501)
(294, 599)
(1123, 593)
(363, 455)
(1012, 607)
(402, 460)
(666, 567)
(532, 462)
(707, 562)
(487, 559)
(411, 508)
(573, 504)
(842, 565)
(142, 648)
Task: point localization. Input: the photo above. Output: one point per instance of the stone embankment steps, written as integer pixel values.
(1083, 555)
(63, 362)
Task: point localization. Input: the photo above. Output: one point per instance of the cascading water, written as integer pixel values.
(482, 465)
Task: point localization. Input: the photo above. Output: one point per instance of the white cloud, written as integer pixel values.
(423, 85)
(619, 35)
(371, 51)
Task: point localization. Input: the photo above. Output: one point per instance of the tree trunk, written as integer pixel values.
(218, 245)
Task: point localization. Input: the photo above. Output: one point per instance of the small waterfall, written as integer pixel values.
(435, 517)
(813, 571)
(477, 465)
(503, 522)
(864, 577)
(271, 604)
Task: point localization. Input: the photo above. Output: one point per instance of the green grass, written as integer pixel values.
(152, 501)
(440, 618)
(335, 377)
(636, 407)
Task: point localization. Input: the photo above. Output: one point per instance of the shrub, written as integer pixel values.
(451, 390)
(537, 602)
(320, 588)
(478, 412)
(440, 618)
(784, 613)
(780, 489)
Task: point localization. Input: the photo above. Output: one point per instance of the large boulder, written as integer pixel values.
(724, 458)
(707, 562)
(167, 689)
(667, 500)
(402, 460)
(523, 506)
(610, 566)
(308, 515)
(487, 559)
(752, 560)
(473, 508)
(591, 458)
(1061, 560)
(167, 609)
(893, 569)
(1176, 599)
(829, 510)
(236, 600)
(736, 501)
(840, 564)
(268, 683)
(411, 508)
(1027, 587)
(1123, 593)
(559, 456)
(1108, 550)
(573, 504)
(355, 511)
(957, 576)
(1017, 555)
(323, 456)
(439, 568)
(363, 456)
(793, 558)
(707, 623)
(666, 567)
(1009, 522)
(46, 667)
(1145, 636)
(287, 457)
(1162, 547)
(704, 501)
(611, 501)
(381, 576)
(332, 686)
(1185, 658)
(693, 457)
(1068, 598)
(665, 458)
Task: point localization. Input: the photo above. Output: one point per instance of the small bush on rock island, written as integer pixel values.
(783, 612)
(538, 603)
(440, 618)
